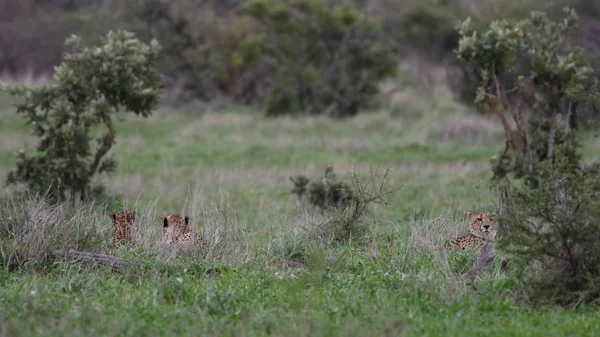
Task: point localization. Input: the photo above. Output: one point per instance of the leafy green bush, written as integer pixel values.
(315, 59)
(552, 231)
(91, 85)
(426, 27)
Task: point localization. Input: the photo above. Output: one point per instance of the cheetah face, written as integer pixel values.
(123, 227)
(483, 225)
(174, 225)
(123, 217)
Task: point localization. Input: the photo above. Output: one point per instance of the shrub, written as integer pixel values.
(315, 59)
(199, 40)
(426, 27)
(328, 192)
(552, 230)
(91, 85)
(342, 205)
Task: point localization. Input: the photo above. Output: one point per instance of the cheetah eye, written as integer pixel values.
(479, 219)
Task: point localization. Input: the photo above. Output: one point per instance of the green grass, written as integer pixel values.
(396, 283)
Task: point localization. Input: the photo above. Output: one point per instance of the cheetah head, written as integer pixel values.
(123, 217)
(174, 225)
(483, 225)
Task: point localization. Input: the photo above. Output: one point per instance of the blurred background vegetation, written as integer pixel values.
(223, 52)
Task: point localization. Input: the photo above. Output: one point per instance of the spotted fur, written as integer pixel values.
(176, 230)
(482, 227)
(124, 228)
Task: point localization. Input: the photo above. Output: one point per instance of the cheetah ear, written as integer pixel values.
(113, 216)
(187, 219)
(469, 214)
(165, 222)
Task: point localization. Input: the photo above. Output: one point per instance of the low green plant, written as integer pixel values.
(90, 86)
(328, 192)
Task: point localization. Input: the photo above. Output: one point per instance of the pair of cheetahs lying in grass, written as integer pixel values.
(175, 229)
(482, 227)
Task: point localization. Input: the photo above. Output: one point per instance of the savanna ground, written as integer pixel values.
(229, 172)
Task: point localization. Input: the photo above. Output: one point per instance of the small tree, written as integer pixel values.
(317, 59)
(551, 75)
(90, 85)
(552, 228)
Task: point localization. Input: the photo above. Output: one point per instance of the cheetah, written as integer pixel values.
(482, 227)
(124, 228)
(176, 230)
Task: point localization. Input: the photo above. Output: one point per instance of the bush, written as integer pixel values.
(315, 59)
(91, 85)
(325, 193)
(425, 27)
(199, 40)
(553, 231)
(342, 205)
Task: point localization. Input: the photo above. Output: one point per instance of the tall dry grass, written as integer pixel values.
(32, 227)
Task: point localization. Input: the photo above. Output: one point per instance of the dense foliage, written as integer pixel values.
(552, 233)
(319, 60)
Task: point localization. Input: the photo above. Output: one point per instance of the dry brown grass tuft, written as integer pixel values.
(221, 230)
(31, 227)
(215, 222)
(428, 237)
